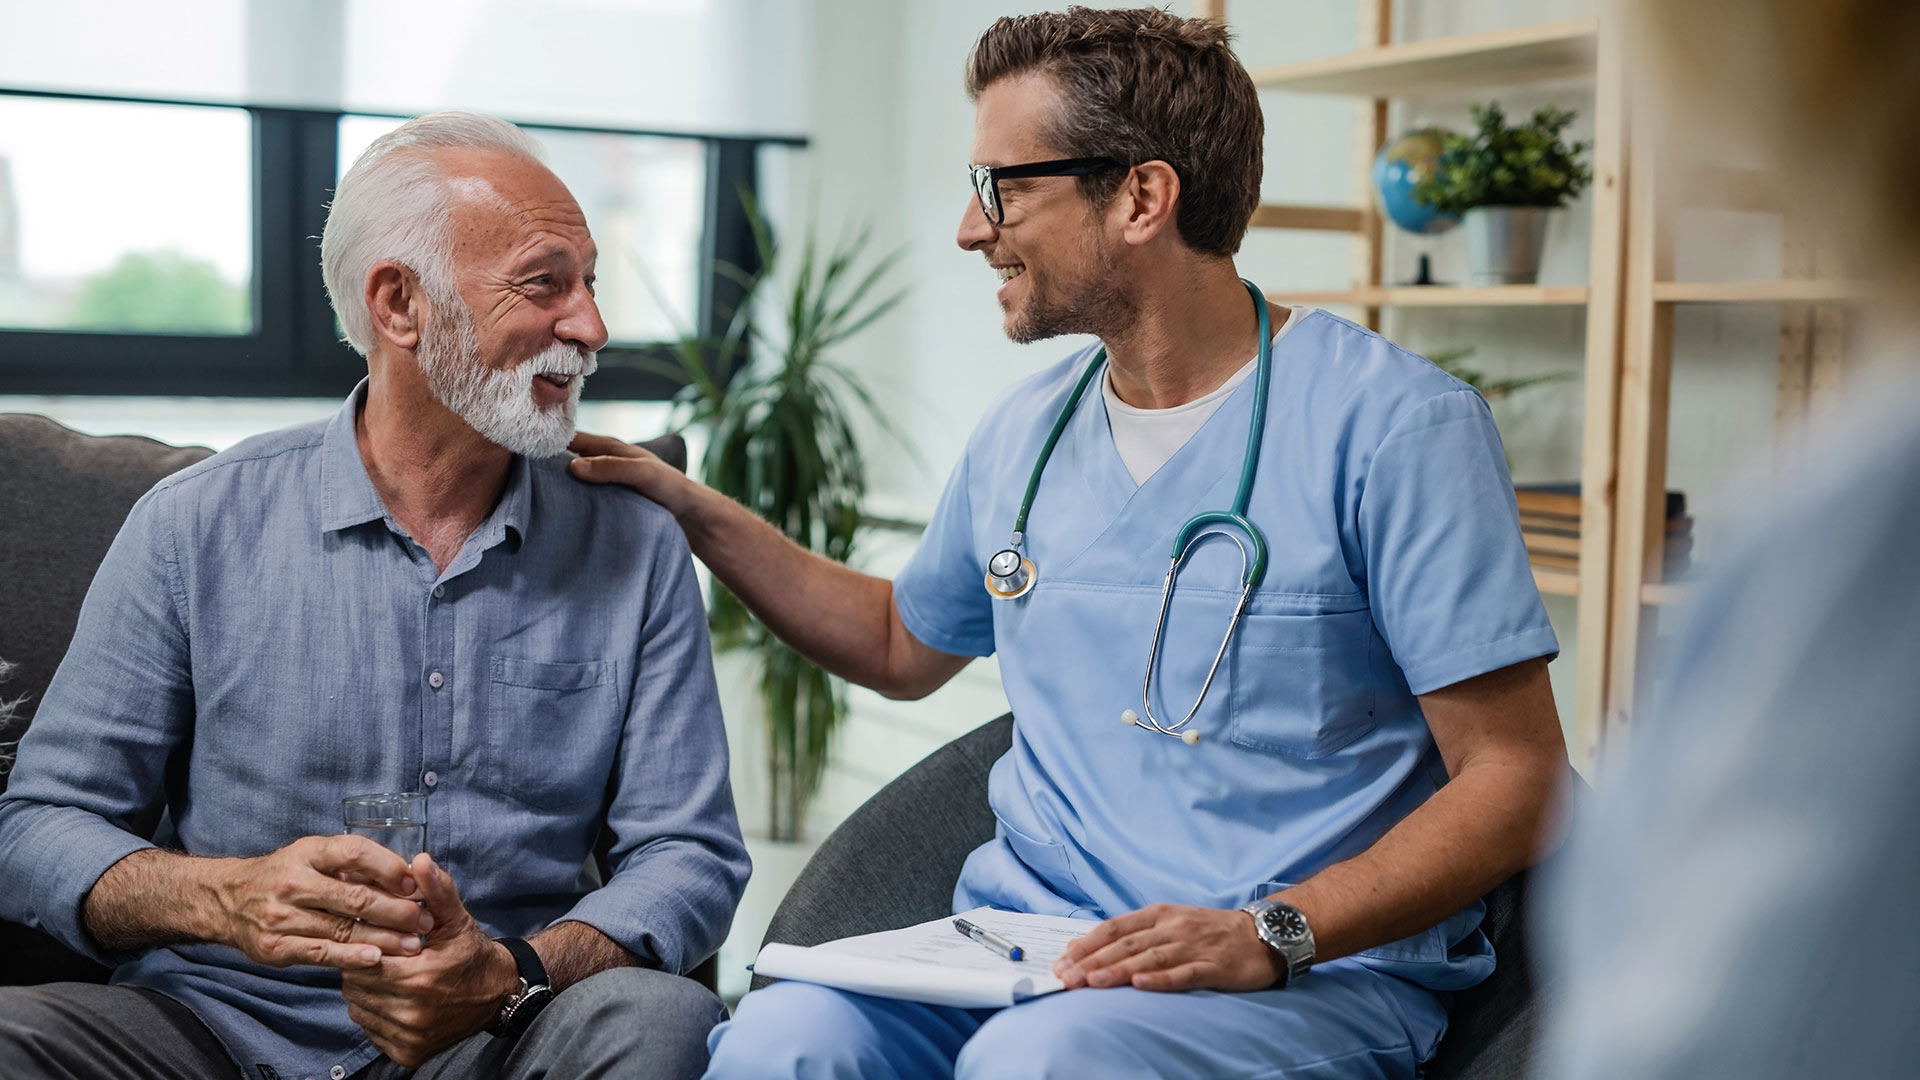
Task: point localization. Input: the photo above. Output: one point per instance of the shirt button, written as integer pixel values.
(436, 680)
(439, 590)
(337, 1072)
(430, 779)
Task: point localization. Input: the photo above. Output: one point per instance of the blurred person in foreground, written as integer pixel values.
(1741, 904)
(389, 600)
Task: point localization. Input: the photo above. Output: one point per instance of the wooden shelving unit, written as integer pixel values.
(1812, 302)
(1556, 582)
(1630, 301)
(1550, 52)
(1588, 51)
(1441, 296)
(1783, 291)
(1665, 593)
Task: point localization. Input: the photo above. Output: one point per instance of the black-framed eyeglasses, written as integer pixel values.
(986, 178)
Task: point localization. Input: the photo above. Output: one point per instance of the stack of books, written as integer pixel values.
(1550, 525)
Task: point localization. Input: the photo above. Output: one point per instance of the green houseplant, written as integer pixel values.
(1503, 180)
(1454, 362)
(781, 442)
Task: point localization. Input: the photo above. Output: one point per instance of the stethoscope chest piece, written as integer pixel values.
(1010, 575)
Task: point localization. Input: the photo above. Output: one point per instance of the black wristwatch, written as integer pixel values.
(1284, 930)
(534, 993)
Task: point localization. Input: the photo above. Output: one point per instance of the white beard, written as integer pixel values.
(499, 404)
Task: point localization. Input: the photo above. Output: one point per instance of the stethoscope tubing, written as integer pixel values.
(1020, 578)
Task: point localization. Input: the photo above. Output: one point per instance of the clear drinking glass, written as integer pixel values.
(396, 821)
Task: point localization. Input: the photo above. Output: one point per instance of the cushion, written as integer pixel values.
(63, 497)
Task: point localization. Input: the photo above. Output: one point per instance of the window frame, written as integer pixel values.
(292, 350)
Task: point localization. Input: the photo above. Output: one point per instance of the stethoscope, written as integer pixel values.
(1011, 575)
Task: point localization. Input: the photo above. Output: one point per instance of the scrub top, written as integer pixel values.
(1396, 568)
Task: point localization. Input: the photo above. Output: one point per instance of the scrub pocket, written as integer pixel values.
(1302, 684)
(552, 730)
(1047, 859)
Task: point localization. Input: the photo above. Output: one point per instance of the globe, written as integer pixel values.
(1400, 165)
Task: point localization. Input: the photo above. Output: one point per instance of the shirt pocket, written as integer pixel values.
(1302, 684)
(552, 730)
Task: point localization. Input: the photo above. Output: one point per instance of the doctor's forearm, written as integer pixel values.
(833, 615)
(1474, 833)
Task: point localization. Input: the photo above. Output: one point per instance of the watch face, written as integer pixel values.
(1286, 924)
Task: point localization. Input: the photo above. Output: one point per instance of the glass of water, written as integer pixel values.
(396, 821)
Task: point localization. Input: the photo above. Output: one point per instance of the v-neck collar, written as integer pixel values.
(1177, 490)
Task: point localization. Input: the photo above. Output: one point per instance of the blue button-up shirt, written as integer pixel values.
(264, 639)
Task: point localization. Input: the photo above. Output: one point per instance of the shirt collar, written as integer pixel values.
(349, 499)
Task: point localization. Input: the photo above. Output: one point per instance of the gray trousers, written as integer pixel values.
(624, 1023)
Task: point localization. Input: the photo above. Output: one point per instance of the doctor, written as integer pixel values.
(1290, 886)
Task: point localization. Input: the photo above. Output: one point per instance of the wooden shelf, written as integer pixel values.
(1665, 593)
(1560, 50)
(1319, 218)
(1441, 296)
(1556, 582)
(1760, 292)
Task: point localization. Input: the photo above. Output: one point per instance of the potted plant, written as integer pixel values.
(781, 442)
(1503, 181)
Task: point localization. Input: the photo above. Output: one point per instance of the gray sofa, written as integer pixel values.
(895, 861)
(63, 497)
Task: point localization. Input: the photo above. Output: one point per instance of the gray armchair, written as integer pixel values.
(63, 498)
(894, 863)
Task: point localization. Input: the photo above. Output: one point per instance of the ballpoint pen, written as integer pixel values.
(990, 939)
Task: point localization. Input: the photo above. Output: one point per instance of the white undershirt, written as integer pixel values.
(1146, 438)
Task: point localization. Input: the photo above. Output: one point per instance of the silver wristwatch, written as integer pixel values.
(1286, 932)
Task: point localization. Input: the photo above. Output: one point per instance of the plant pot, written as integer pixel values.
(1504, 243)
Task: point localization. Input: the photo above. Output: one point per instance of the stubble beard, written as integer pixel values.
(499, 403)
(1097, 305)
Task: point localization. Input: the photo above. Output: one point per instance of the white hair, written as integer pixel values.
(394, 204)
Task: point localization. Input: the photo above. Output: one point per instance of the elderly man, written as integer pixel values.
(390, 600)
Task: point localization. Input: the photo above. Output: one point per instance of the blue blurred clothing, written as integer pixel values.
(1396, 568)
(263, 639)
(1740, 902)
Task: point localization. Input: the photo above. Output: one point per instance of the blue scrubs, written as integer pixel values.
(1396, 569)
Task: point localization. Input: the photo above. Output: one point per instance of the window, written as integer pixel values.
(82, 249)
(164, 248)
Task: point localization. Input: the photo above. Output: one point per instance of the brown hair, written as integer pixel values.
(1143, 85)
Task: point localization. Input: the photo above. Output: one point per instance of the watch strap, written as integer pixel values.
(532, 971)
(535, 990)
